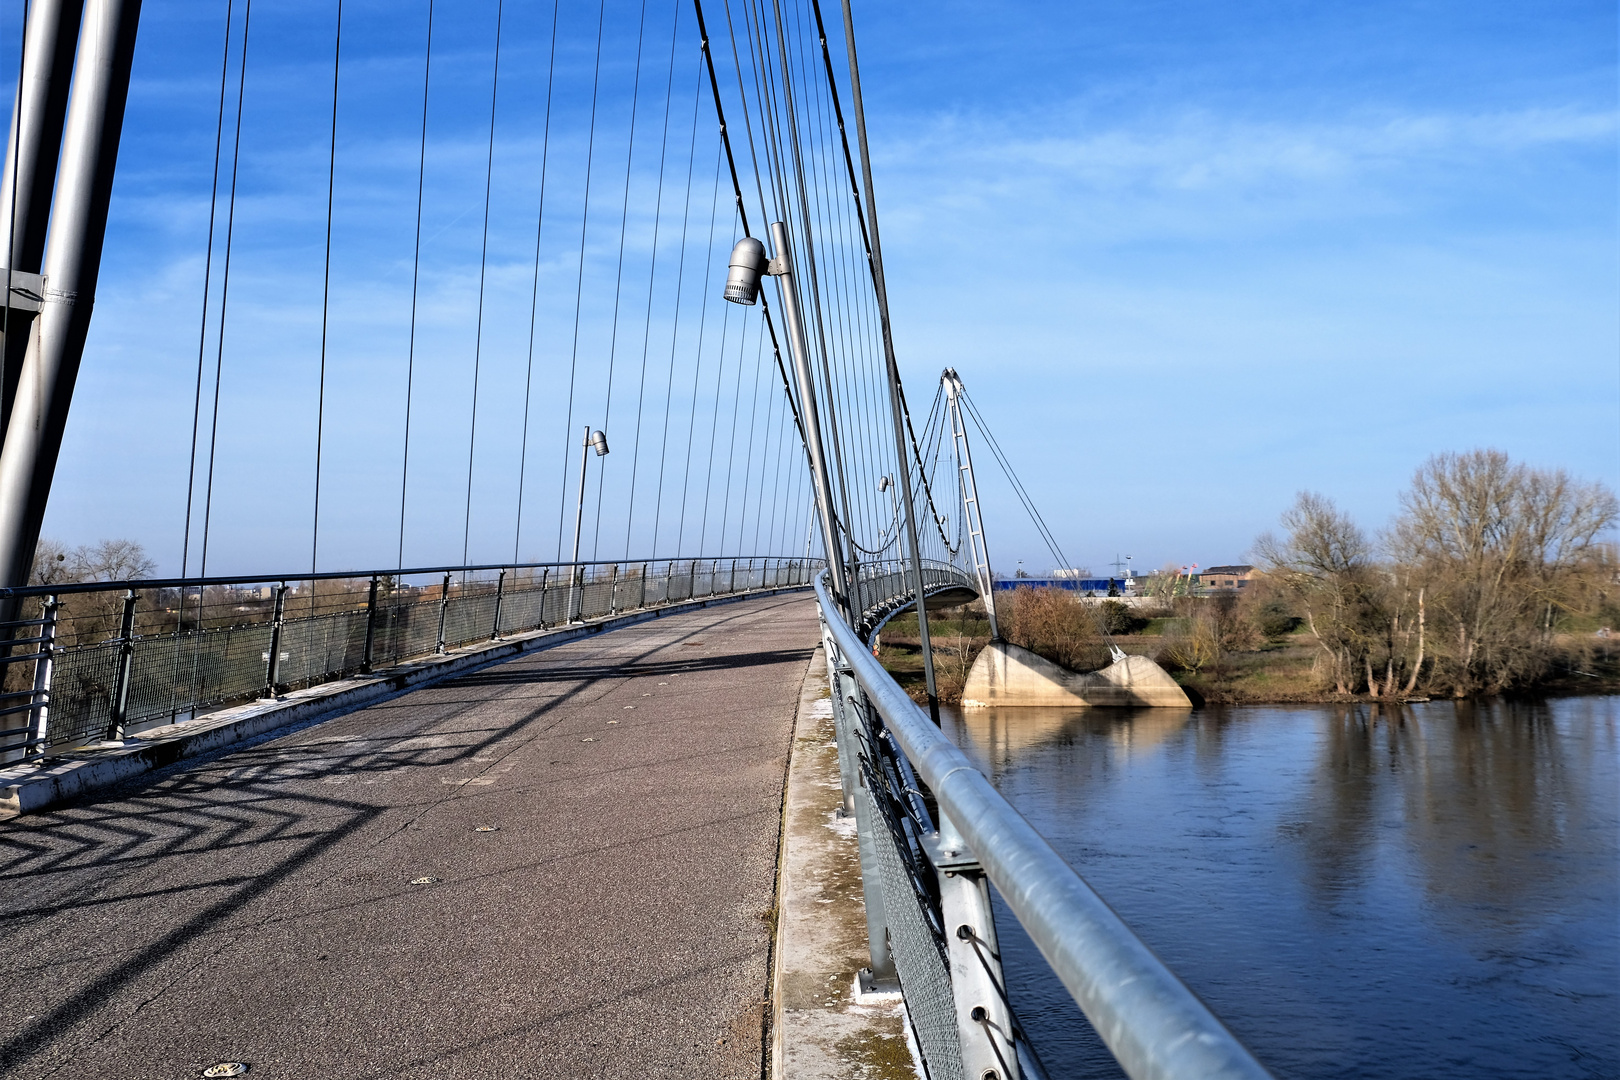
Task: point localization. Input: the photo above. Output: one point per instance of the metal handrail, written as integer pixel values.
(1155, 1027)
(142, 584)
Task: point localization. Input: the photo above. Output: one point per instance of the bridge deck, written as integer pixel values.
(259, 906)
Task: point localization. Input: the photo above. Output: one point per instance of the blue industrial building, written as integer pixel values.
(1100, 586)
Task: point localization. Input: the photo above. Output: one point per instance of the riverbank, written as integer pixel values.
(1282, 670)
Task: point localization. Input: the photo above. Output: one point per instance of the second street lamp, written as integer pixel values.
(597, 440)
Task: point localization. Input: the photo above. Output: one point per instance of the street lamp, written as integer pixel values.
(749, 264)
(885, 484)
(599, 441)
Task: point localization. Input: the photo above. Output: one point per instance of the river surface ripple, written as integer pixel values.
(1356, 891)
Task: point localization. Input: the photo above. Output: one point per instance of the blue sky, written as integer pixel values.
(1189, 259)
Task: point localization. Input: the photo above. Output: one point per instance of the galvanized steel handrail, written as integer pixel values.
(145, 584)
(1156, 1027)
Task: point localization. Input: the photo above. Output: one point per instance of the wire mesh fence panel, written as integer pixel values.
(469, 618)
(657, 587)
(679, 587)
(324, 631)
(555, 606)
(161, 677)
(326, 645)
(403, 629)
(595, 597)
(522, 608)
(82, 682)
(629, 593)
(924, 973)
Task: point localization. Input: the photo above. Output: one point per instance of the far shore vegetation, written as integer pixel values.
(1492, 580)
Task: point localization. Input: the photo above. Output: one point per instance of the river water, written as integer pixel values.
(1431, 891)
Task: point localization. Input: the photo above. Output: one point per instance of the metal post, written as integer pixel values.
(972, 513)
(49, 41)
(126, 656)
(896, 403)
(272, 659)
(882, 974)
(544, 577)
(39, 720)
(781, 268)
(978, 988)
(643, 601)
(371, 626)
(579, 520)
(72, 263)
(500, 592)
(444, 608)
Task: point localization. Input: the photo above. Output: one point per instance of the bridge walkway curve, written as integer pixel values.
(323, 904)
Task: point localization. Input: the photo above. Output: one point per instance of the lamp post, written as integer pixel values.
(592, 439)
(748, 264)
(885, 484)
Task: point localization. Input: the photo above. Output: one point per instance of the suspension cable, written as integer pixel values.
(534, 291)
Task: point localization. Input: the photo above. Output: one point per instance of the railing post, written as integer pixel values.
(39, 717)
(272, 659)
(857, 801)
(643, 602)
(545, 576)
(978, 988)
(500, 594)
(126, 656)
(444, 607)
(732, 587)
(613, 590)
(371, 626)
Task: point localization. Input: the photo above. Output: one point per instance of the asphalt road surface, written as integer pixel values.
(558, 866)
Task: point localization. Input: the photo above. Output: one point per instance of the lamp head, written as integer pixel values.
(747, 264)
(599, 441)
(883, 484)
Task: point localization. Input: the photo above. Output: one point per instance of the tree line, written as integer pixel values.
(1468, 592)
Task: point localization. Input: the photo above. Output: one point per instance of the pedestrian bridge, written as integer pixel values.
(505, 802)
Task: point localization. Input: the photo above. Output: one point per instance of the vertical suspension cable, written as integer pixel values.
(224, 296)
(731, 448)
(618, 282)
(579, 284)
(208, 277)
(680, 279)
(714, 420)
(326, 297)
(652, 278)
(483, 265)
(416, 277)
(534, 292)
(697, 367)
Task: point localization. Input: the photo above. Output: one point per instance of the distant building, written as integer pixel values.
(1227, 578)
(1095, 586)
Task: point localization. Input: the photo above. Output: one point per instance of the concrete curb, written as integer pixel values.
(822, 1026)
(28, 788)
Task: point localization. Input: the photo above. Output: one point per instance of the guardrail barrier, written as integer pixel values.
(92, 661)
(934, 835)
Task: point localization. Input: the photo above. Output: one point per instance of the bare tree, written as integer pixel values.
(1499, 550)
(1327, 562)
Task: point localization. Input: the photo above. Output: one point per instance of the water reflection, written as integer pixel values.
(1430, 883)
(1002, 737)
